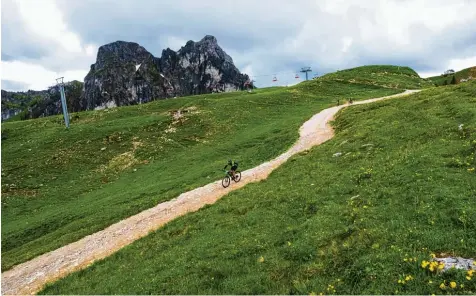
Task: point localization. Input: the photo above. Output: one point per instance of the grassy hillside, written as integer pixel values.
(382, 75)
(60, 185)
(465, 73)
(362, 223)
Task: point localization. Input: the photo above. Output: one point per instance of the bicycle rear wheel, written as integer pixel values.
(237, 176)
(225, 182)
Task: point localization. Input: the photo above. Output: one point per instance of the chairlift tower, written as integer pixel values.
(60, 84)
(305, 70)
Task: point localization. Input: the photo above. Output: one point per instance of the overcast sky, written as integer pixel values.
(45, 39)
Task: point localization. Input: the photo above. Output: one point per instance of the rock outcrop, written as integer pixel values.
(34, 104)
(125, 73)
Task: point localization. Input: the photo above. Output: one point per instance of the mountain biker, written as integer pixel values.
(233, 165)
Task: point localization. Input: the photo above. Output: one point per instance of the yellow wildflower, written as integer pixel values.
(453, 285)
(461, 286)
(442, 286)
(468, 278)
(433, 255)
(433, 265)
(430, 282)
(470, 272)
(261, 259)
(312, 294)
(424, 263)
(441, 266)
(405, 259)
(408, 278)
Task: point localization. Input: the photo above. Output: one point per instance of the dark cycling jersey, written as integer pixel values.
(233, 164)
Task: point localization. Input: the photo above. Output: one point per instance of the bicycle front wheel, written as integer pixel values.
(225, 182)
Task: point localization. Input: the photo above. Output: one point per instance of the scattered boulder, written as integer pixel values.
(457, 262)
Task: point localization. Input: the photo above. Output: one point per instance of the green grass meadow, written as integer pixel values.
(403, 189)
(59, 185)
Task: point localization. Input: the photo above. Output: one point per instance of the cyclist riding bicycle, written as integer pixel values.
(234, 166)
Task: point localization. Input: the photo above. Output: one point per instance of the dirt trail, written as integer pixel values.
(29, 277)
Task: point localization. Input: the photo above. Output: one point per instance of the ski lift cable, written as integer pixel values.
(274, 74)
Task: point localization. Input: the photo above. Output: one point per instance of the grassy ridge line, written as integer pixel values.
(361, 223)
(382, 75)
(66, 185)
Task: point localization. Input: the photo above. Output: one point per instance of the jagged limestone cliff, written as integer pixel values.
(125, 73)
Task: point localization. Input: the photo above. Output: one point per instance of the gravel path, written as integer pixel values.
(29, 277)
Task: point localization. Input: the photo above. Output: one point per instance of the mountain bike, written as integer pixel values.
(226, 181)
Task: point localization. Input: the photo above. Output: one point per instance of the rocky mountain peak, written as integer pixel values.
(207, 46)
(125, 73)
(209, 39)
(120, 52)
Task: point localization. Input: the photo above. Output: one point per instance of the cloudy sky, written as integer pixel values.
(45, 39)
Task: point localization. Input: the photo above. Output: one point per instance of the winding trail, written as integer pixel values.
(29, 277)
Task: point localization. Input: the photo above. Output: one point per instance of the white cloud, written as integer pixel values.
(91, 50)
(66, 56)
(460, 64)
(455, 64)
(248, 69)
(346, 43)
(44, 19)
(174, 43)
(426, 74)
(36, 76)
